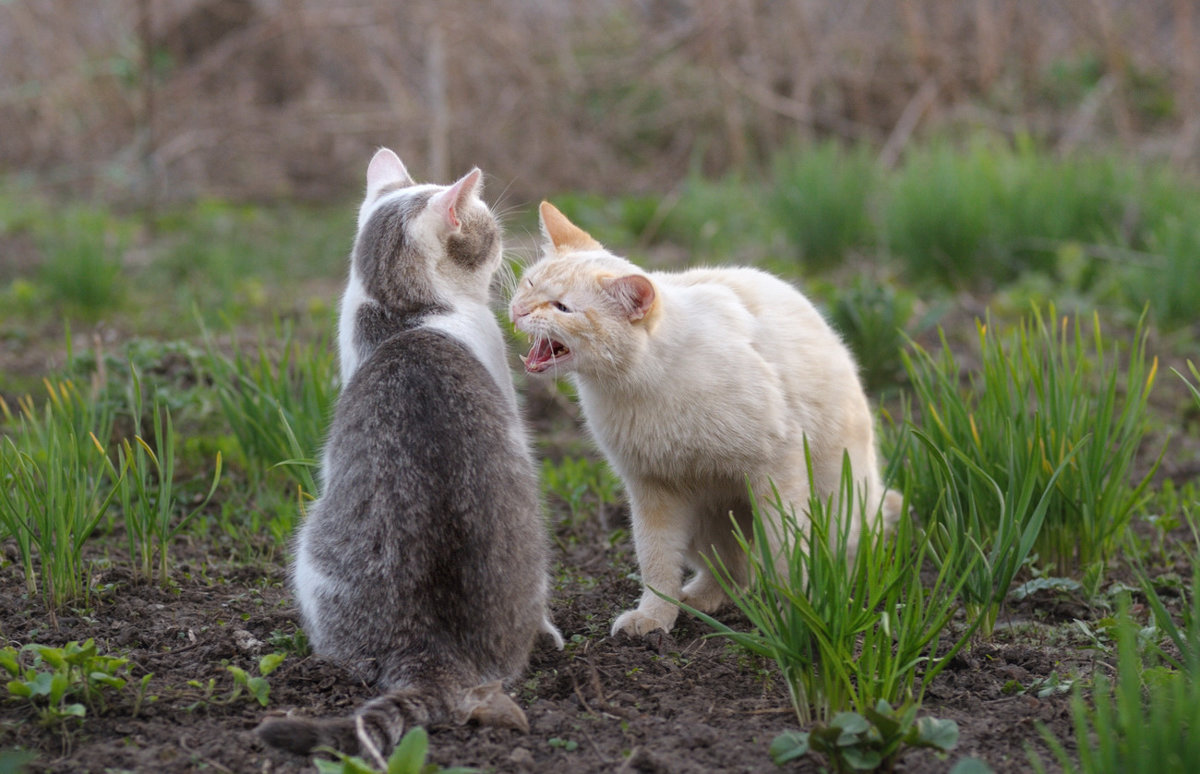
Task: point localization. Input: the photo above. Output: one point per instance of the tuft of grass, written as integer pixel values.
(982, 532)
(939, 216)
(56, 489)
(83, 261)
(1156, 280)
(1050, 402)
(1144, 721)
(847, 625)
(585, 485)
(874, 317)
(278, 401)
(147, 492)
(719, 221)
(819, 197)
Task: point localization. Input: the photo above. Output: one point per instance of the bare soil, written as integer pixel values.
(681, 703)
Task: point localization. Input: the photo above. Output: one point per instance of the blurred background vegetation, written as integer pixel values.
(170, 100)
(168, 166)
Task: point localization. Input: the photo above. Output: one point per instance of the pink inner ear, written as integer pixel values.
(385, 168)
(634, 292)
(449, 201)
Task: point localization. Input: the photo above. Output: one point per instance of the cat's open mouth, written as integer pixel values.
(544, 354)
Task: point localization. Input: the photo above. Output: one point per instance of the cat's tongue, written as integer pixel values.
(544, 354)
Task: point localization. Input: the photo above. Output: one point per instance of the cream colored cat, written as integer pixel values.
(693, 383)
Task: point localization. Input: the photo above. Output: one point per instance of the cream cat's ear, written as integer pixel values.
(449, 203)
(561, 233)
(386, 168)
(634, 292)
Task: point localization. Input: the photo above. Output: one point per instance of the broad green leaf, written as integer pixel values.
(103, 678)
(971, 766)
(935, 732)
(59, 685)
(409, 755)
(74, 710)
(13, 761)
(52, 656)
(260, 689)
(788, 746)
(41, 684)
(860, 759)
(850, 723)
(270, 662)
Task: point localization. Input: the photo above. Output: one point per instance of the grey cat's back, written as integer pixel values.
(424, 460)
(423, 565)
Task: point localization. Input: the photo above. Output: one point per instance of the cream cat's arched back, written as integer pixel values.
(693, 383)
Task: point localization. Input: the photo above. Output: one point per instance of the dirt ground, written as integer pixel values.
(685, 703)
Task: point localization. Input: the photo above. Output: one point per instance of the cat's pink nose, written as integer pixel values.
(516, 312)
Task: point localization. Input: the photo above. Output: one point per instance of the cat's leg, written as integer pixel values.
(703, 592)
(715, 543)
(662, 526)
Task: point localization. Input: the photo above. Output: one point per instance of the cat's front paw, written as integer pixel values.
(638, 623)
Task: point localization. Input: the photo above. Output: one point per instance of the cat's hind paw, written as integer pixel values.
(704, 593)
(637, 623)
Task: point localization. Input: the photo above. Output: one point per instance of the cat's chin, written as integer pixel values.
(546, 354)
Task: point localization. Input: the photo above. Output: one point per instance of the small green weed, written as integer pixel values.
(13, 761)
(585, 485)
(64, 684)
(870, 741)
(245, 686)
(409, 757)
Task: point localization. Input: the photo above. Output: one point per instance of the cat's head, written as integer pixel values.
(585, 309)
(423, 246)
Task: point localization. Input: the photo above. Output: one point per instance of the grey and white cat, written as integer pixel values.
(423, 564)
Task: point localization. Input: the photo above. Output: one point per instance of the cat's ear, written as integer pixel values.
(449, 203)
(386, 168)
(561, 233)
(634, 293)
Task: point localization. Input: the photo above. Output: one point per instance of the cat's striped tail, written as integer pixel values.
(377, 726)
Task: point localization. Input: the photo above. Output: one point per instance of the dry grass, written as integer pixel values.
(151, 100)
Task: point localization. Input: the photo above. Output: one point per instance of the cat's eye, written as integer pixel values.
(560, 306)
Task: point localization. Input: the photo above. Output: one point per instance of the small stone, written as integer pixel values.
(521, 758)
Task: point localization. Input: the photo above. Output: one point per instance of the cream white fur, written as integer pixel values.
(723, 380)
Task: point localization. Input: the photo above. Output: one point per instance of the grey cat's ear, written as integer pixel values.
(634, 293)
(451, 201)
(386, 168)
(561, 234)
